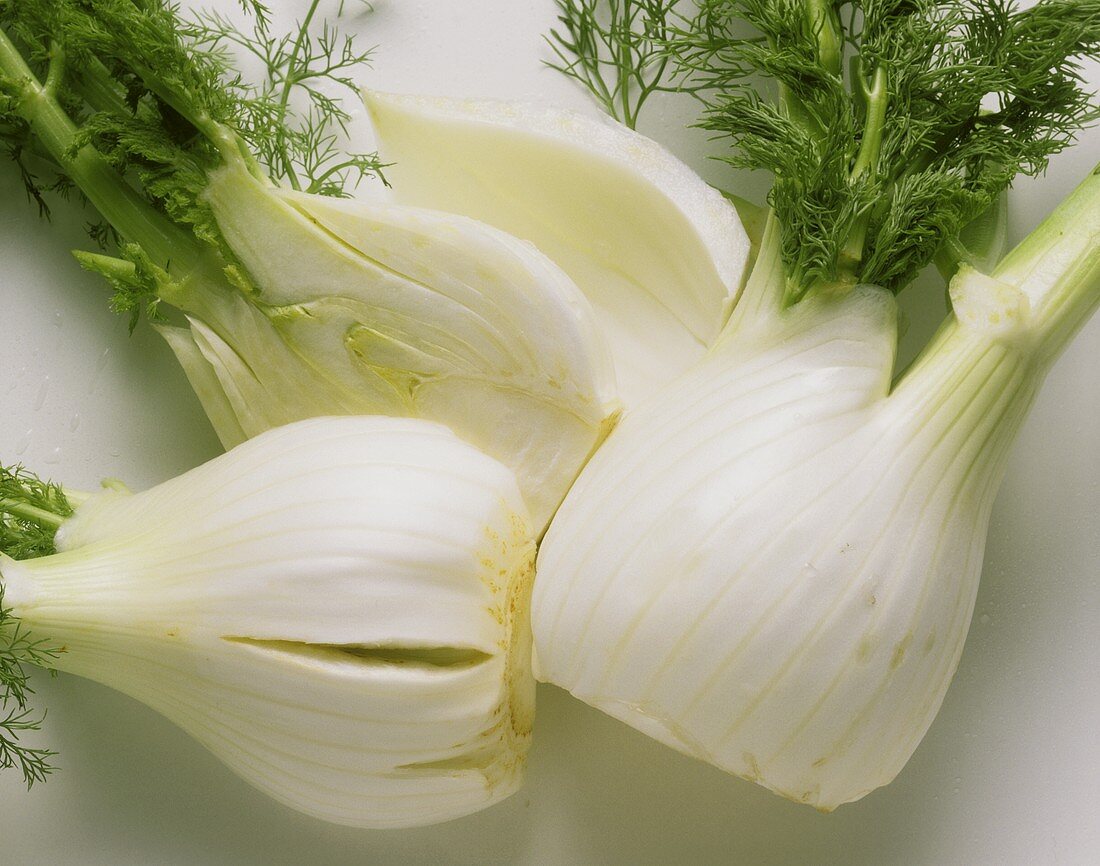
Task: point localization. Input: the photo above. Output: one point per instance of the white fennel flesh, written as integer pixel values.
(337, 609)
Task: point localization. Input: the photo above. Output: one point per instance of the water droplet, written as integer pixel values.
(23, 442)
(985, 619)
(58, 320)
(54, 458)
(809, 570)
(43, 392)
(74, 422)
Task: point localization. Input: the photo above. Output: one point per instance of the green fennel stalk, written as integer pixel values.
(135, 108)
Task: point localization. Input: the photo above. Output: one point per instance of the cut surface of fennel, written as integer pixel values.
(365, 308)
(659, 253)
(300, 305)
(338, 609)
(772, 565)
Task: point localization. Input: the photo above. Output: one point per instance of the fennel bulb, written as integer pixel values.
(772, 565)
(659, 254)
(337, 609)
(384, 309)
(296, 304)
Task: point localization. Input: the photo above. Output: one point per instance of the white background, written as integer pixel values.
(1009, 773)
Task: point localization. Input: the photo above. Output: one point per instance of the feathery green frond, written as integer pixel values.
(301, 146)
(137, 280)
(35, 763)
(889, 125)
(137, 107)
(615, 49)
(18, 649)
(30, 512)
(879, 165)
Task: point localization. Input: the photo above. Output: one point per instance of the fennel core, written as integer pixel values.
(889, 127)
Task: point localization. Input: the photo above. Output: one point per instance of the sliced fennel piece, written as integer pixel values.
(772, 565)
(300, 305)
(367, 308)
(338, 609)
(658, 252)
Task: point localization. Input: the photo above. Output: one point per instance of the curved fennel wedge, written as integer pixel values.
(772, 565)
(298, 304)
(659, 253)
(382, 309)
(337, 609)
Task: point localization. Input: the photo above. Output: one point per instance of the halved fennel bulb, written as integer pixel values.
(659, 253)
(301, 305)
(772, 565)
(353, 307)
(338, 609)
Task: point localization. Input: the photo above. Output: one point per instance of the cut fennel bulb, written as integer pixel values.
(772, 565)
(298, 304)
(365, 308)
(337, 609)
(659, 253)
